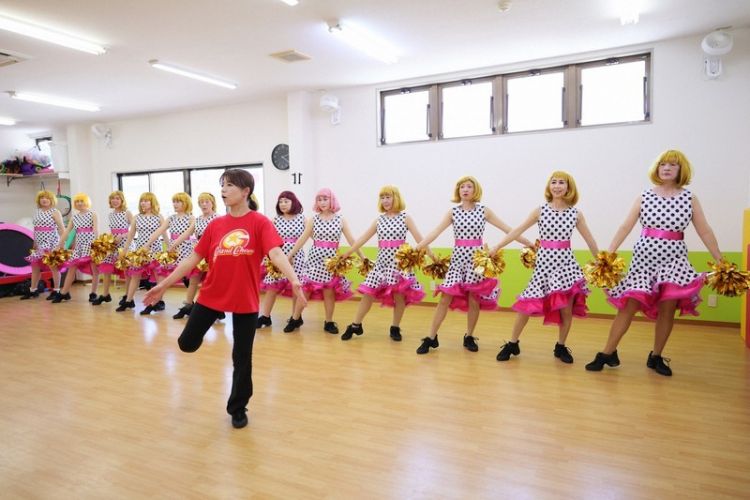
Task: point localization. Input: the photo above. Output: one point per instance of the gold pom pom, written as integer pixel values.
(606, 271)
(528, 257)
(484, 265)
(339, 266)
(166, 258)
(138, 258)
(407, 258)
(366, 266)
(726, 280)
(56, 257)
(101, 247)
(272, 270)
(202, 266)
(438, 268)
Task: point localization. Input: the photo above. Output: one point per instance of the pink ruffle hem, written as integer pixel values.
(462, 292)
(687, 297)
(385, 293)
(341, 289)
(550, 306)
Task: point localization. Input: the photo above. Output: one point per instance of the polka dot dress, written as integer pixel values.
(316, 277)
(290, 230)
(83, 223)
(386, 279)
(461, 281)
(118, 227)
(178, 224)
(46, 236)
(557, 279)
(660, 269)
(201, 223)
(145, 226)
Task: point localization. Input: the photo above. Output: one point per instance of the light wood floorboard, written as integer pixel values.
(98, 404)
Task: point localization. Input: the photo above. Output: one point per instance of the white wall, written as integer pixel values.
(708, 120)
(241, 133)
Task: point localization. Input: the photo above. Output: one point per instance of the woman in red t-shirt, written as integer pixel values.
(233, 245)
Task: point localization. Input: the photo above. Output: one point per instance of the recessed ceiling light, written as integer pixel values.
(54, 101)
(4, 120)
(177, 70)
(291, 2)
(48, 35)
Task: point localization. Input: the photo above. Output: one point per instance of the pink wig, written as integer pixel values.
(335, 207)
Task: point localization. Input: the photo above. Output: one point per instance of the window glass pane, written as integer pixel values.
(535, 102)
(406, 117)
(165, 185)
(466, 110)
(206, 181)
(134, 186)
(613, 93)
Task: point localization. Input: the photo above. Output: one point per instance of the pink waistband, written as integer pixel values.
(390, 243)
(84, 230)
(289, 240)
(174, 236)
(557, 244)
(43, 228)
(120, 231)
(468, 243)
(662, 234)
(326, 244)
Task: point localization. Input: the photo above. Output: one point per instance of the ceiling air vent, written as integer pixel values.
(290, 56)
(6, 58)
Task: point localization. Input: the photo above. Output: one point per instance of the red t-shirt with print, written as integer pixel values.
(234, 248)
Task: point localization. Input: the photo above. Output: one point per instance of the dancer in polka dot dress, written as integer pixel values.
(660, 279)
(144, 225)
(85, 224)
(48, 225)
(386, 283)
(463, 288)
(207, 204)
(325, 228)
(180, 226)
(290, 224)
(120, 219)
(557, 289)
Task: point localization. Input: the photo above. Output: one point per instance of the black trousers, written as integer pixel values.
(243, 329)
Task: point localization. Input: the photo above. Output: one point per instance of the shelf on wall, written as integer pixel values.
(49, 175)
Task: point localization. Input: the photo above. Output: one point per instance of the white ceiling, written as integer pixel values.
(233, 39)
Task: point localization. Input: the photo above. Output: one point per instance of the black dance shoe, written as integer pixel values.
(602, 359)
(508, 349)
(351, 330)
(427, 342)
(563, 353)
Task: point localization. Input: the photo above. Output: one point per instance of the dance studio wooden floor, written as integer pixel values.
(98, 404)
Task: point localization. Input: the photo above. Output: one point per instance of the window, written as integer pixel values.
(194, 181)
(467, 109)
(614, 92)
(606, 91)
(406, 116)
(535, 102)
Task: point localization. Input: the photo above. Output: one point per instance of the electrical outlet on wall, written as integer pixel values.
(712, 300)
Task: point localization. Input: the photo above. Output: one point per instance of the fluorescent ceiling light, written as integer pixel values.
(4, 120)
(629, 11)
(40, 33)
(361, 40)
(191, 74)
(291, 2)
(54, 101)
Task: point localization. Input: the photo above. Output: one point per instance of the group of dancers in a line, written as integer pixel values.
(659, 281)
